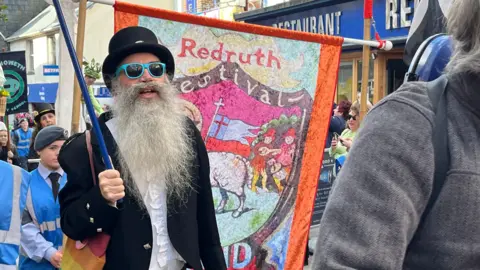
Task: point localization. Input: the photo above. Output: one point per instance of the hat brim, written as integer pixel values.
(114, 59)
(40, 114)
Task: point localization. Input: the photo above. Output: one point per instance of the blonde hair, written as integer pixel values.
(357, 107)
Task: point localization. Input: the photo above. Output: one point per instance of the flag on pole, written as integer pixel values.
(231, 130)
(428, 20)
(231, 135)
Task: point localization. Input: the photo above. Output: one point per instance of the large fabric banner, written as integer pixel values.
(15, 72)
(262, 99)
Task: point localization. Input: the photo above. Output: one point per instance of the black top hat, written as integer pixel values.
(42, 109)
(132, 40)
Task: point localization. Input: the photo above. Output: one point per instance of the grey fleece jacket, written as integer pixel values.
(379, 197)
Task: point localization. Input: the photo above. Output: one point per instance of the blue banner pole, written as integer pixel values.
(83, 85)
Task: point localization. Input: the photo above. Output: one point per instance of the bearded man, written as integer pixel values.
(166, 219)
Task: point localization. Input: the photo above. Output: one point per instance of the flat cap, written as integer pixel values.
(49, 135)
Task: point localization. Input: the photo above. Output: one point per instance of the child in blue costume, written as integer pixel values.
(14, 182)
(42, 237)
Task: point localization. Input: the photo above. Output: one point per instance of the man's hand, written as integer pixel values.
(111, 186)
(56, 259)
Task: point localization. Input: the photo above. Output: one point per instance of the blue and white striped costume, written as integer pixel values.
(14, 183)
(42, 236)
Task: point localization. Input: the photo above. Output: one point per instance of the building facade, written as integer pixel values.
(100, 26)
(218, 9)
(39, 38)
(18, 12)
(392, 20)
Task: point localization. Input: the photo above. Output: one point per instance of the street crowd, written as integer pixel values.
(155, 210)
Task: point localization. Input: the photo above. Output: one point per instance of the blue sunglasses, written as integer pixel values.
(136, 70)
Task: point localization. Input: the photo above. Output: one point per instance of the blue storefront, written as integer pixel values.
(345, 18)
(42, 92)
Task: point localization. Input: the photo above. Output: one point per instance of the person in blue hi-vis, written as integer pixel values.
(42, 237)
(14, 182)
(21, 139)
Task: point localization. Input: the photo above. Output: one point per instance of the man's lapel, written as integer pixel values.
(178, 223)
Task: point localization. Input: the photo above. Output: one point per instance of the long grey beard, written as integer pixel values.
(153, 141)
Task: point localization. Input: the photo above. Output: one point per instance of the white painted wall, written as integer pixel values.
(40, 53)
(100, 25)
(179, 5)
(19, 45)
(99, 29)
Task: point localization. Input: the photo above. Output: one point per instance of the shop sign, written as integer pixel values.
(392, 19)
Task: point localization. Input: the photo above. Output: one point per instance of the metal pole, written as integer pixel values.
(387, 45)
(77, 94)
(105, 2)
(218, 104)
(37, 160)
(367, 24)
(83, 85)
(365, 70)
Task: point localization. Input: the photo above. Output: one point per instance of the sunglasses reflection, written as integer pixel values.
(136, 70)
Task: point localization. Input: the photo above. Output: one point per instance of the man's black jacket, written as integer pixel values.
(192, 226)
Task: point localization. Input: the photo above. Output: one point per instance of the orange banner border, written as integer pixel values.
(313, 158)
(211, 22)
(127, 15)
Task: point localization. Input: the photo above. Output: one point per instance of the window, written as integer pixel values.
(208, 4)
(350, 77)
(345, 74)
(51, 50)
(254, 4)
(269, 3)
(30, 57)
(370, 80)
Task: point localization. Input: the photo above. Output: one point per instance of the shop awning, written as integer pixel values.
(42, 92)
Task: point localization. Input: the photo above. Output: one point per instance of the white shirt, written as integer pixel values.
(164, 255)
(45, 173)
